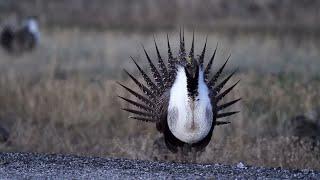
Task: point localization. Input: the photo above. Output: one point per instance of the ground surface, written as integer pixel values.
(28, 165)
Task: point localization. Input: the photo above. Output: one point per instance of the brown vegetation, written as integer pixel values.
(151, 14)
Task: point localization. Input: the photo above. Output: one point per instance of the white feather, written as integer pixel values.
(33, 27)
(189, 120)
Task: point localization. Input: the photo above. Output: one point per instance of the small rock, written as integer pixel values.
(241, 165)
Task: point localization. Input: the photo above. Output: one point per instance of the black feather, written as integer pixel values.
(140, 113)
(146, 78)
(216, 76)
(220, 96)
(223, 106)
(192, 83)
(139, 96)
(142, 119)
(201, 58)
(182, 51)
(191, 54)
(143, 88)
(170, 56)
(138, 105)
(162, 66)
(218, 123)
(221, 115)
(217, 89)
(209, 65)
(156, 74)
(171, 63)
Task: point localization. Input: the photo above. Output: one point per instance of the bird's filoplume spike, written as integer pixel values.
(156, 75)
(221, 115)
(209, 65)
(201, 58)
(225, 105)
(140, 113)
(218, 123)
(146, 119)
(162, 66)
(216, 76)
(139, 96)
(136, 104)
(142, 87)
(224, 93)
(146, 78)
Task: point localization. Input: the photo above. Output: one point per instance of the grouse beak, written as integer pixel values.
(189, 60)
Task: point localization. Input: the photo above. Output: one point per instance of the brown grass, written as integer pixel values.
(263, 15)
(62, 99)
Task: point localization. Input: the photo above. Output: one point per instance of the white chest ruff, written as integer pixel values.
(33, 28)
(189, 120)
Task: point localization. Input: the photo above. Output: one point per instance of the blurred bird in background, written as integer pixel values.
(21, 37)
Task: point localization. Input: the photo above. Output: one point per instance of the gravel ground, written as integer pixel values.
(41, 166)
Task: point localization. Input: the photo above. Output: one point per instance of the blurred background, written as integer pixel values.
(61, 97)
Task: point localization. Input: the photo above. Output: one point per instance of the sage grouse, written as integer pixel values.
(182, 100)
(20, 38)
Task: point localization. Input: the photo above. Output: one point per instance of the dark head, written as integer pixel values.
(7, 36)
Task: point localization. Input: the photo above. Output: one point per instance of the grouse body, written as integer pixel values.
(180, 97)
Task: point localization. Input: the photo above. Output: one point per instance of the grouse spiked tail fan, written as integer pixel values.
(171, 97)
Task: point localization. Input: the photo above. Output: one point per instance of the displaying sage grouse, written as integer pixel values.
(20, 38)
(182, 99)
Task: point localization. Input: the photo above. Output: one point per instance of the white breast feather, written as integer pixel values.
(33, 28)
(192, 123)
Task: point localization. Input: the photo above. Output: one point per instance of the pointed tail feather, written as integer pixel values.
(139, 96)
(171, 62)
(146, 77)
(162, 66)
(216, 76)
(138, 105)
(201, 58)
(223, 106)
(156, 75)
(224, 93)
(143, 88)
(170, 56)
(209, 65)
(142, 119)
(218, 88)
(218, 123)
(191, 53)
(221, 115)
(182, 51)
(140, 113)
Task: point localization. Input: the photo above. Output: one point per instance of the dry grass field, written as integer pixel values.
(262, 15)
(62, 98)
